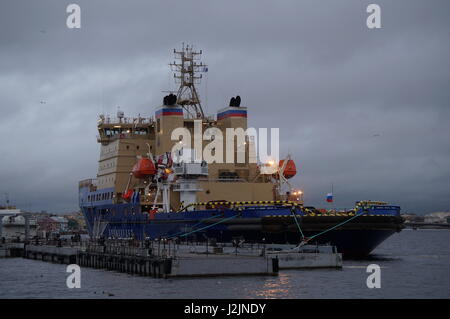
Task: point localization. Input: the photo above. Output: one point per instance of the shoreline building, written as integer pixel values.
(13, 224)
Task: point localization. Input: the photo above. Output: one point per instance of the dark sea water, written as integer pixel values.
(414, 264)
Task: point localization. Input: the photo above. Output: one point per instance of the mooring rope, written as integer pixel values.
(304, 239)
(335, 226)
(298, 225)
(196, 224)
(206, 227)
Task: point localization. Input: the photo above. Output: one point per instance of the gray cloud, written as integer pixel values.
(366, 110)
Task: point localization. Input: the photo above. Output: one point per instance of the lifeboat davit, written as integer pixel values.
(144, 168)
(290, 170)
(127, 195)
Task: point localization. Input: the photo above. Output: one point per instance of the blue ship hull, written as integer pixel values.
(269, 224)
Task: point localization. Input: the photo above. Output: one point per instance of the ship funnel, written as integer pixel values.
(235, 101)
(170, 99)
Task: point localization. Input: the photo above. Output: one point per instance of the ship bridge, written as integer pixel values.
(120, 127)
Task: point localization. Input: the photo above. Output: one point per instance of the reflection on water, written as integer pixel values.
(275, 287)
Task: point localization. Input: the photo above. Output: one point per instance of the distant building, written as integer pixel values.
(9, 210)
(419, 219)
(413, 218)
(12, 223)
(13, 227)
(62, 223)
(51, 225)
(76, 219)
(409, 217)
(437, 218)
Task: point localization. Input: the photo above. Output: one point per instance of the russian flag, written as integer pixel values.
(330, 197)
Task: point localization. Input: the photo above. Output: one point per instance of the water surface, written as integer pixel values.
(414, 264)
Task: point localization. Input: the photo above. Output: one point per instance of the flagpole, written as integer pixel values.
(330, 198)
(332, 194)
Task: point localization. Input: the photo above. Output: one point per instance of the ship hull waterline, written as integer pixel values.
(356, 238)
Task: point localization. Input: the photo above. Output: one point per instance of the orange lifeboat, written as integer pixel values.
(290, 170)
(144, 168)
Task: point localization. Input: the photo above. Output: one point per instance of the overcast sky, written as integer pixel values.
(366, 110)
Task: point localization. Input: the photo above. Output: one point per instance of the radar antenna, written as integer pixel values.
(187, 65)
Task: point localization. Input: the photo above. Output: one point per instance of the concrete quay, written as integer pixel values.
(169, 259)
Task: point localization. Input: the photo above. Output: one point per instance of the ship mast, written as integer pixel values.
(187, 65)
